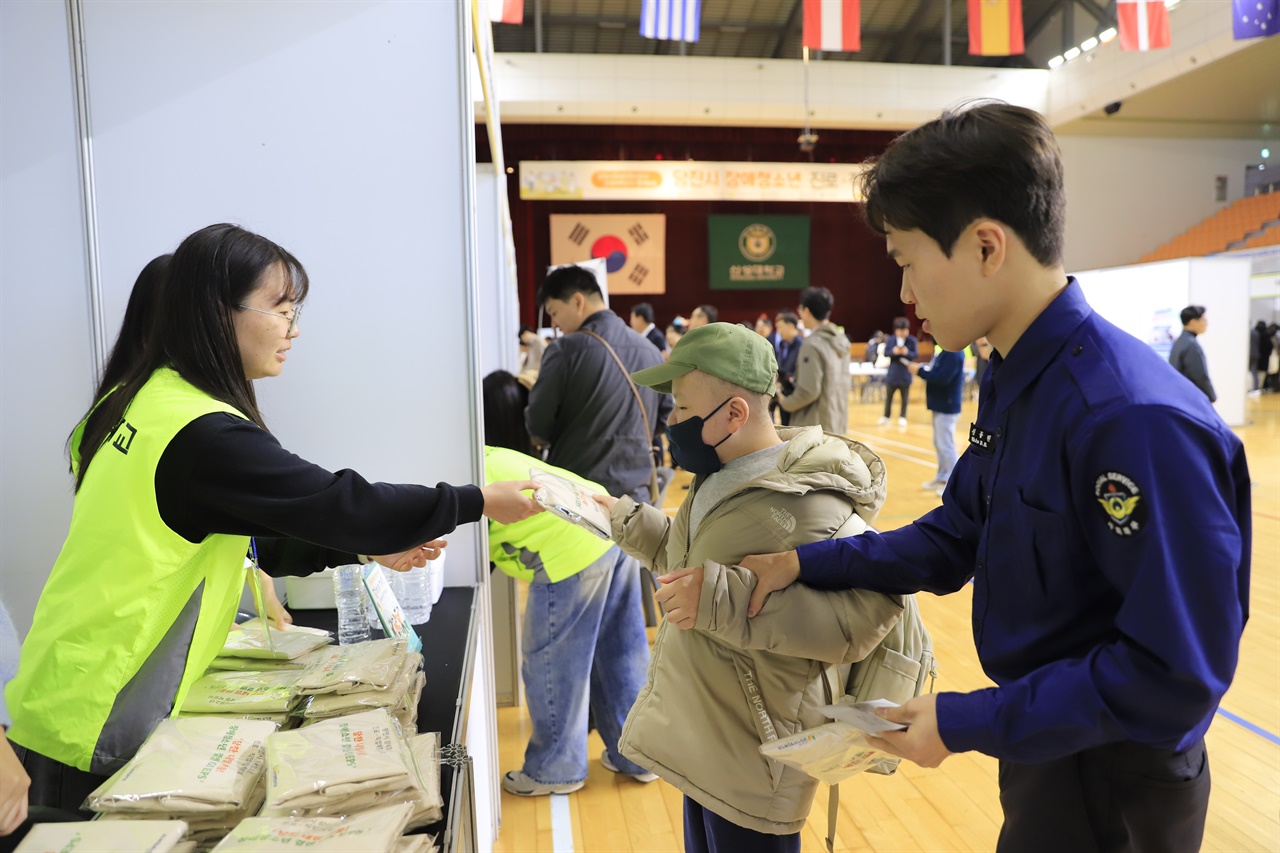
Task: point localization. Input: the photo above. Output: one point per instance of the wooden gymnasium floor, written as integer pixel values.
(956, 806)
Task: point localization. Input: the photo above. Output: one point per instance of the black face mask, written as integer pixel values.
(689, 450)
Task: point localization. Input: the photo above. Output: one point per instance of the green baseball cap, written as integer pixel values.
(738, 355)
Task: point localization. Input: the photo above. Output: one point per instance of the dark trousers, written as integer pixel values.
(707, 832)
(55, 785)
(888, 399)
(1118, 797)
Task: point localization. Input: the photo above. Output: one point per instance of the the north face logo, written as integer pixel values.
(783, 519)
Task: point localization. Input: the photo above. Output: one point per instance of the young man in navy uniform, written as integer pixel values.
(1101, 510)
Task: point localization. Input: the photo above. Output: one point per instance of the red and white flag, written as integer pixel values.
(832, 25)
(1143, 24)
(506, 11)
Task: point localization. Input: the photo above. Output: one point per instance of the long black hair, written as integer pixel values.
(135, 329)
(505, 400)
(212, 272)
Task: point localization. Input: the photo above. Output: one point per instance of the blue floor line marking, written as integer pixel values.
(1257, 730)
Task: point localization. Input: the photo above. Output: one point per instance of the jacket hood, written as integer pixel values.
(831, 335)
(815, 460)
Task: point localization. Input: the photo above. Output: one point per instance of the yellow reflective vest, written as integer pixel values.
(132, 612)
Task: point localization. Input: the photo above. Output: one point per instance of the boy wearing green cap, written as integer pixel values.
(719, 691)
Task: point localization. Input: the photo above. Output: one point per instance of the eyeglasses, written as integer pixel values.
(293, 320)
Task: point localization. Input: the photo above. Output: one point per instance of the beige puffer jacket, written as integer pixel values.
(718, 691)
(822, 383)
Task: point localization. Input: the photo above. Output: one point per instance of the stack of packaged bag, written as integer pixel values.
(206, 772)
(350, 765)
(377, 829)
(248, 648)
(350, 679)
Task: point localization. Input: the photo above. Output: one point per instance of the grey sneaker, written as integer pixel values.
(519, 783)
(639, 777)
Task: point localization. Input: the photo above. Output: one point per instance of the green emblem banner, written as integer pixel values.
(758, 252)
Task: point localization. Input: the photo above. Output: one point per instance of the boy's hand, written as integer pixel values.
(773, 572)
(921, 742)
(678, 597)
(606, 501)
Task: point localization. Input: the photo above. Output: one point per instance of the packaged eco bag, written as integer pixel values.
(155, 836)
(376, 830)
(248, 641)
(371, 665)
(192, 764)
(335, 760)
(242, 692)
(335, 704)
(570, 501)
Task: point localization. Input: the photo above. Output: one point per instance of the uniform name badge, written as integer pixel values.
(981, 439)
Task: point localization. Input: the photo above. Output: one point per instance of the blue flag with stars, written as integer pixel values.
(1254, 18)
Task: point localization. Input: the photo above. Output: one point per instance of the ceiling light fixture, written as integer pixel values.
(1071, 54)
(1056, 61)
(1107, 35)
(1089, 43)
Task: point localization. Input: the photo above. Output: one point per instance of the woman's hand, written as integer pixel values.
(507, 503)
(278, 616)
(415, 557)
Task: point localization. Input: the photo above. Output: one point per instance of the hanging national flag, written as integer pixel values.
(506, 11)
(633, 246)
(1143, 24)
(1255, 18)
(995, 27)
(674, 20)
(832, 25)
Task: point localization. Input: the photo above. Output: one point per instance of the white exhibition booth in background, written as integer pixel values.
(1146, 299)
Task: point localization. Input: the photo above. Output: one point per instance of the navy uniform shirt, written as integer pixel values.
(1102, 511)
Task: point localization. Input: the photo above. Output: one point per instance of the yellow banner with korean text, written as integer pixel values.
(688, 180)
(634, 247)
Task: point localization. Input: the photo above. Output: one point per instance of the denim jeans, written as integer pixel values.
(944, 442)
(584, 643)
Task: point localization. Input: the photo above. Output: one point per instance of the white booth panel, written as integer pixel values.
(1146, 299)
(46, 366)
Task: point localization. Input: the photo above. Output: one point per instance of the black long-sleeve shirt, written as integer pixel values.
(223, 474)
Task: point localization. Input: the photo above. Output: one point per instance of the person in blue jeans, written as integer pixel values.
(944, 382)
(584, 640)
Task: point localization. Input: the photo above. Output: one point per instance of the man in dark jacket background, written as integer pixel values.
(1187, 357)
(582, 404)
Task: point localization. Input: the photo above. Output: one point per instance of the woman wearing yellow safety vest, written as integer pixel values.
(177, 472)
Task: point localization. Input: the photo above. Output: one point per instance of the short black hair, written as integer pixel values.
(710, 310)
(505, 400)
(563, 283)
(1192, 312)
(819, 301)
(986, 159)
(644, 311)
(788, 317)
(901, 323)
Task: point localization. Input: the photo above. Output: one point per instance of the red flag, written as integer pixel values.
(832, 25)
(995, 27)
(1143, 24)
(506, 11)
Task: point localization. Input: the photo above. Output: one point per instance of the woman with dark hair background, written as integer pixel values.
(584, 642)
(177, 473)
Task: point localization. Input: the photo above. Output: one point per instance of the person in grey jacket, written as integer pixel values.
(582, 404)
(820, 396)
(1187, 357)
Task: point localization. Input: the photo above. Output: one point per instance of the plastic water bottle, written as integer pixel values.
(415, 595)
(348, 592)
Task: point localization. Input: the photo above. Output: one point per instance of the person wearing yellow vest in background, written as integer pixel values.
(584, 643)
(177, 472)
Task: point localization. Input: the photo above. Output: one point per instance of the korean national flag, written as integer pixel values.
(674, 20)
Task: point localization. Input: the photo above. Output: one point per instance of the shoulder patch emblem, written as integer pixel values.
(1122, 503)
